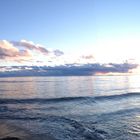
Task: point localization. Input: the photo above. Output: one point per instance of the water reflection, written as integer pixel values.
(18, 87)
(55, 87)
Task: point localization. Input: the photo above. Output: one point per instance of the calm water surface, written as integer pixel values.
(74, 108)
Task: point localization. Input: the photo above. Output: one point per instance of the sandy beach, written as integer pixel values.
(12, 132)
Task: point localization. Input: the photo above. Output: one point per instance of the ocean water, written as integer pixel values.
(73, 108)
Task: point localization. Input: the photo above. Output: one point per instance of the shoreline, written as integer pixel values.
(12, 132)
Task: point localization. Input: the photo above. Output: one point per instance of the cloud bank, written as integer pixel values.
(66, 70)
(46, 62)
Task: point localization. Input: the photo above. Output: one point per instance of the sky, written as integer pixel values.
(58, 32)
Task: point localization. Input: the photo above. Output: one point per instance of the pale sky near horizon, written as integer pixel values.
(107, 29)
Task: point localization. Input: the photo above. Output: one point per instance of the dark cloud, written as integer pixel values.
(68, 70)
(58, 52)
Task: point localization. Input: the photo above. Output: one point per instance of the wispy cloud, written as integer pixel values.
(88, 57)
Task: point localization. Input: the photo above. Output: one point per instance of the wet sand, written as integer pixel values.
(12, 132)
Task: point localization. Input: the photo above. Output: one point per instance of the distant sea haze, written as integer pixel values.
(66, 70)
(73, 107)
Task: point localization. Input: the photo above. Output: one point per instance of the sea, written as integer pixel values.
(73, 107)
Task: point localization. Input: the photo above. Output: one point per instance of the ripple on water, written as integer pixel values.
(135, 130)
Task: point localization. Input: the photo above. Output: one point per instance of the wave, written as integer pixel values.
(41, 100)
(121, 112)
(69, 99)
(131, 94)
(13, 81)
(70, 127)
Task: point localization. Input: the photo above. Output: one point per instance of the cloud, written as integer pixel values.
(10, 52)
(58, 52)
(88, 57)
(36, 47)
(67, 70)
(20, 51)
(31, 46)
(28, 55)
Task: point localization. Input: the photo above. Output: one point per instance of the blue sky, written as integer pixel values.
(107, 29)
(55, 23)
